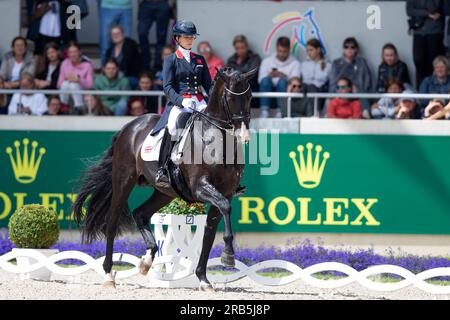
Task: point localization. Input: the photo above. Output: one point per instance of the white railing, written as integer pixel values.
(287, 95)
(353, 276)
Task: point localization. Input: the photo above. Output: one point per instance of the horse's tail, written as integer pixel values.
(96, 192)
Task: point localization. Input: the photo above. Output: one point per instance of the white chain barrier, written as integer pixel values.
(179, 246)
(306, 274)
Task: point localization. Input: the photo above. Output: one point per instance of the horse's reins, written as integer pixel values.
(230, 117)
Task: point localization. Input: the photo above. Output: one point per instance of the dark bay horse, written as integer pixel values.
(107, 185)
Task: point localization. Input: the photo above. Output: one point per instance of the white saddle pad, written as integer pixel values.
(152, 146)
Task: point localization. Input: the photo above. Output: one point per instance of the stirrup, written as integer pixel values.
(162, 179)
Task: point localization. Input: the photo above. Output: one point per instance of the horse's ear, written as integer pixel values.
(249, 75)
(221, 75)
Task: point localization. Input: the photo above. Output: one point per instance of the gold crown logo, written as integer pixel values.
(25, 167)
(309, 173)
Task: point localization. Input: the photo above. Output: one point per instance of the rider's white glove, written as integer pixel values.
(187, 103)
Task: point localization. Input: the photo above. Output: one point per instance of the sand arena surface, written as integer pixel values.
(87, 286)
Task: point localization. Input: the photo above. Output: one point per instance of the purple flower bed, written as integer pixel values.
(303, 254)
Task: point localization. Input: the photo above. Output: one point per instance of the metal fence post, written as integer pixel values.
(90, 104)
(316, 107)
(289, 107)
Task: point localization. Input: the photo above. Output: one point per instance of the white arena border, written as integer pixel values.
(360, 277)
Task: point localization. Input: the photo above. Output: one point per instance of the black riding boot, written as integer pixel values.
(162, 178)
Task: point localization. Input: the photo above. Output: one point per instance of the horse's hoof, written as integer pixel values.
(206, 287)
(144, 267)
(109, 282)
(227, 260)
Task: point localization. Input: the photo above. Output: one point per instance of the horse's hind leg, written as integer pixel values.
(142, 216)
(123, 182)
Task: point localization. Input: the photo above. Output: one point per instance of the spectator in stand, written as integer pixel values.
(435, 110)
(406, 108)
(427, 23)
(51, 16)
(343, 108)
(300, 107)
(158, 80)
(355, 68)
(3, 98)
(150, 103)
(351, 66)
(150, 11)
(135, 107)
(385, 107)
(439, 82)
(315, 70)
(213, 61)
(75, 74)
(114, 12)
(274, 74)
(94, 103)
(17, 62)
(446, 12)
(54, 107)
(27, 104)
(113, 80)
(126, 52)
(48, 74)
(390, 68)
(245, 60)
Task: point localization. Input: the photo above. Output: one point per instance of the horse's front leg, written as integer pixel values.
(208, 193)
(212, 222)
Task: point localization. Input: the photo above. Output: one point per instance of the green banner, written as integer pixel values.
(323, 183)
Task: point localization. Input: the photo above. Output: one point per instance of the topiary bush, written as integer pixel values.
(33, 226)
(180, 207)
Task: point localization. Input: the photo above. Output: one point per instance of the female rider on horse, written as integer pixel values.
(184, 75)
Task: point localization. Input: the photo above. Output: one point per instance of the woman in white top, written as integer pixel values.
(315, 70)
(17, 62)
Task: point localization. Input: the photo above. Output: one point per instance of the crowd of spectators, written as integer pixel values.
(57, 62)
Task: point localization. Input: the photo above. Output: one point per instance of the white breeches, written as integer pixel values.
(176, 111)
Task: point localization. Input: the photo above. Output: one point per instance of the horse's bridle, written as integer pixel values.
(235, 117)
(227, 125)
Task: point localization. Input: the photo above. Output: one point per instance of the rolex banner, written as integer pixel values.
(295, 183)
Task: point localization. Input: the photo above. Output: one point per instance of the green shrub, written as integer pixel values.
(33, 226)
(180, 207)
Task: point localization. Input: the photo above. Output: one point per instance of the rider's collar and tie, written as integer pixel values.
(186, 53)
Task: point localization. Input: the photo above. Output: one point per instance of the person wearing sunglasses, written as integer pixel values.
(300, 107)
(213, 61)
(354, 67)
(344, 108)
(351, 66)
